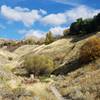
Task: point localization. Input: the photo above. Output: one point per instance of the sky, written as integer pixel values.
(26, 18)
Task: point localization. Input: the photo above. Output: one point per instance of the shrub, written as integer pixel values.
(90, 50)
(38, 64)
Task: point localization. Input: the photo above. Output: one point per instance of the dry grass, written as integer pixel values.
(82, 84)
(90, 50)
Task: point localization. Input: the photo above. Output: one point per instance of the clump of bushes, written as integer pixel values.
(90, 50)
(38, 64)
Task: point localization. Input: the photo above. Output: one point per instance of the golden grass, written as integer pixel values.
(90, 50)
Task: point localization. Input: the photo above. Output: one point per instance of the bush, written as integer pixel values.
(90, 50)
(38, 64)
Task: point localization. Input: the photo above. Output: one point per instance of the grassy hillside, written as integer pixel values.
(68, 68)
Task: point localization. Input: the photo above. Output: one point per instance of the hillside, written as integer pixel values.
(74, 80)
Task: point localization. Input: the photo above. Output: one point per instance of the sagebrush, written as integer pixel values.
(38, 64)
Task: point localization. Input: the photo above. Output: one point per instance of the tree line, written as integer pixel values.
(86, 26)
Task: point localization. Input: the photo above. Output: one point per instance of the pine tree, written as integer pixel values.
(49, 38)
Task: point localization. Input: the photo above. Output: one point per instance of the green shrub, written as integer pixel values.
(38, 64)
(90, 50)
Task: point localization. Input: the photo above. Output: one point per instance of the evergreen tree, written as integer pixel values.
(86, 26)
(49, 38)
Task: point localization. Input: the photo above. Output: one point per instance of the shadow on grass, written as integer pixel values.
(78, 37)
(68, 67)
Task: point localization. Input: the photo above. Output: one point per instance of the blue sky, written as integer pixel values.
(25, 18)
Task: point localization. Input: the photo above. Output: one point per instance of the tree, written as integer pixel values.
(49, 38)
(66, 32)
(80, 21)
(86, 26)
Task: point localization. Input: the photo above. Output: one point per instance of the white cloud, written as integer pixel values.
(69, 2)
(43, 12)
(57, 30)
(40, 34)
(29, 17)
(69, 16)
(21, 9)
(21, 14)
(32, 33)
(81, 12)
(54, 19)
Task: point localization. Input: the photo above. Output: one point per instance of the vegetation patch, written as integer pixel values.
(85, 26)
(90, 50)
(49, 38)
(38, 64)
